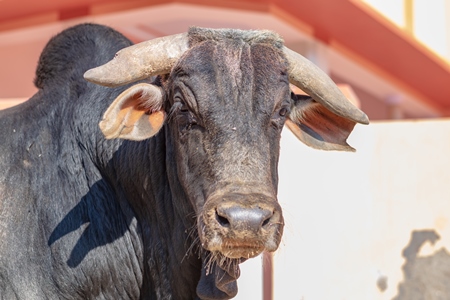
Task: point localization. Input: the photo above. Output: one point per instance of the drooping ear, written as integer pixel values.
(136, 114)
(318, 127)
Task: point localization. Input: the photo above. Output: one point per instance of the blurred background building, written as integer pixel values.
(394, 54)
(350, 218)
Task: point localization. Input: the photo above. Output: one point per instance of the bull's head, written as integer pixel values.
(228, 97)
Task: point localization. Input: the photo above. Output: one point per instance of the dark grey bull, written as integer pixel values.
(182, 189)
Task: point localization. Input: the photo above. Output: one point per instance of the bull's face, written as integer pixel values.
(227, 98)
(228, 104)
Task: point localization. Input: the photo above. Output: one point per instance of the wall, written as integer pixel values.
(375, 107)
(362, 225)
(19, 62)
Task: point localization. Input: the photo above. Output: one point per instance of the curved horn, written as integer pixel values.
(140, 61)
(313, 81)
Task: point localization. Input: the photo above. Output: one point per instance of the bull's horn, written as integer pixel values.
(313, 81)
(140, 61)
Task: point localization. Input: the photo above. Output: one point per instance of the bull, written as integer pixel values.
(177, 184)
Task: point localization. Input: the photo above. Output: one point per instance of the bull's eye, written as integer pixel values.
(183, 115)
(179, 107)
(184, 108)
(279, 116)
(283, 111)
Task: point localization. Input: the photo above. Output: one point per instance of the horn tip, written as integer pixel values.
(94, 76)
(364, 119)
(89, 75)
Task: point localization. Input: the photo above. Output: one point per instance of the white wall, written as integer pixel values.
(350, 215)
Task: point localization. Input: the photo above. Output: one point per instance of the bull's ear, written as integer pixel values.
(318, 127)
(136, 114)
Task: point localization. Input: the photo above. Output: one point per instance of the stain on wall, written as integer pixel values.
(425, 277)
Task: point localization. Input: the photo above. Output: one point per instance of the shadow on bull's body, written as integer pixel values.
(97, 221)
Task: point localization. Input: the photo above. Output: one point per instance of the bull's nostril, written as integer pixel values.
(222, 220)
(266, 221)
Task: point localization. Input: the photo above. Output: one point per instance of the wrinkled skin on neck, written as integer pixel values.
(226, 137)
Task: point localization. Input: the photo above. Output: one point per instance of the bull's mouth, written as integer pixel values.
(241, 249)
(245, 246)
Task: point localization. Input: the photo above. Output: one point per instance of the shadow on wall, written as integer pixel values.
(427, 277)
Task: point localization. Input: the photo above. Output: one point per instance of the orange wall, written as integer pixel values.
(17, 81)
(373, 106)
(400, 58)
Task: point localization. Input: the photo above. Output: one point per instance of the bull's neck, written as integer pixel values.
(144, 173)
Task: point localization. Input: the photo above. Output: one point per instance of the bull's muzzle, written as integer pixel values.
(241, 225)
(241, 219)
